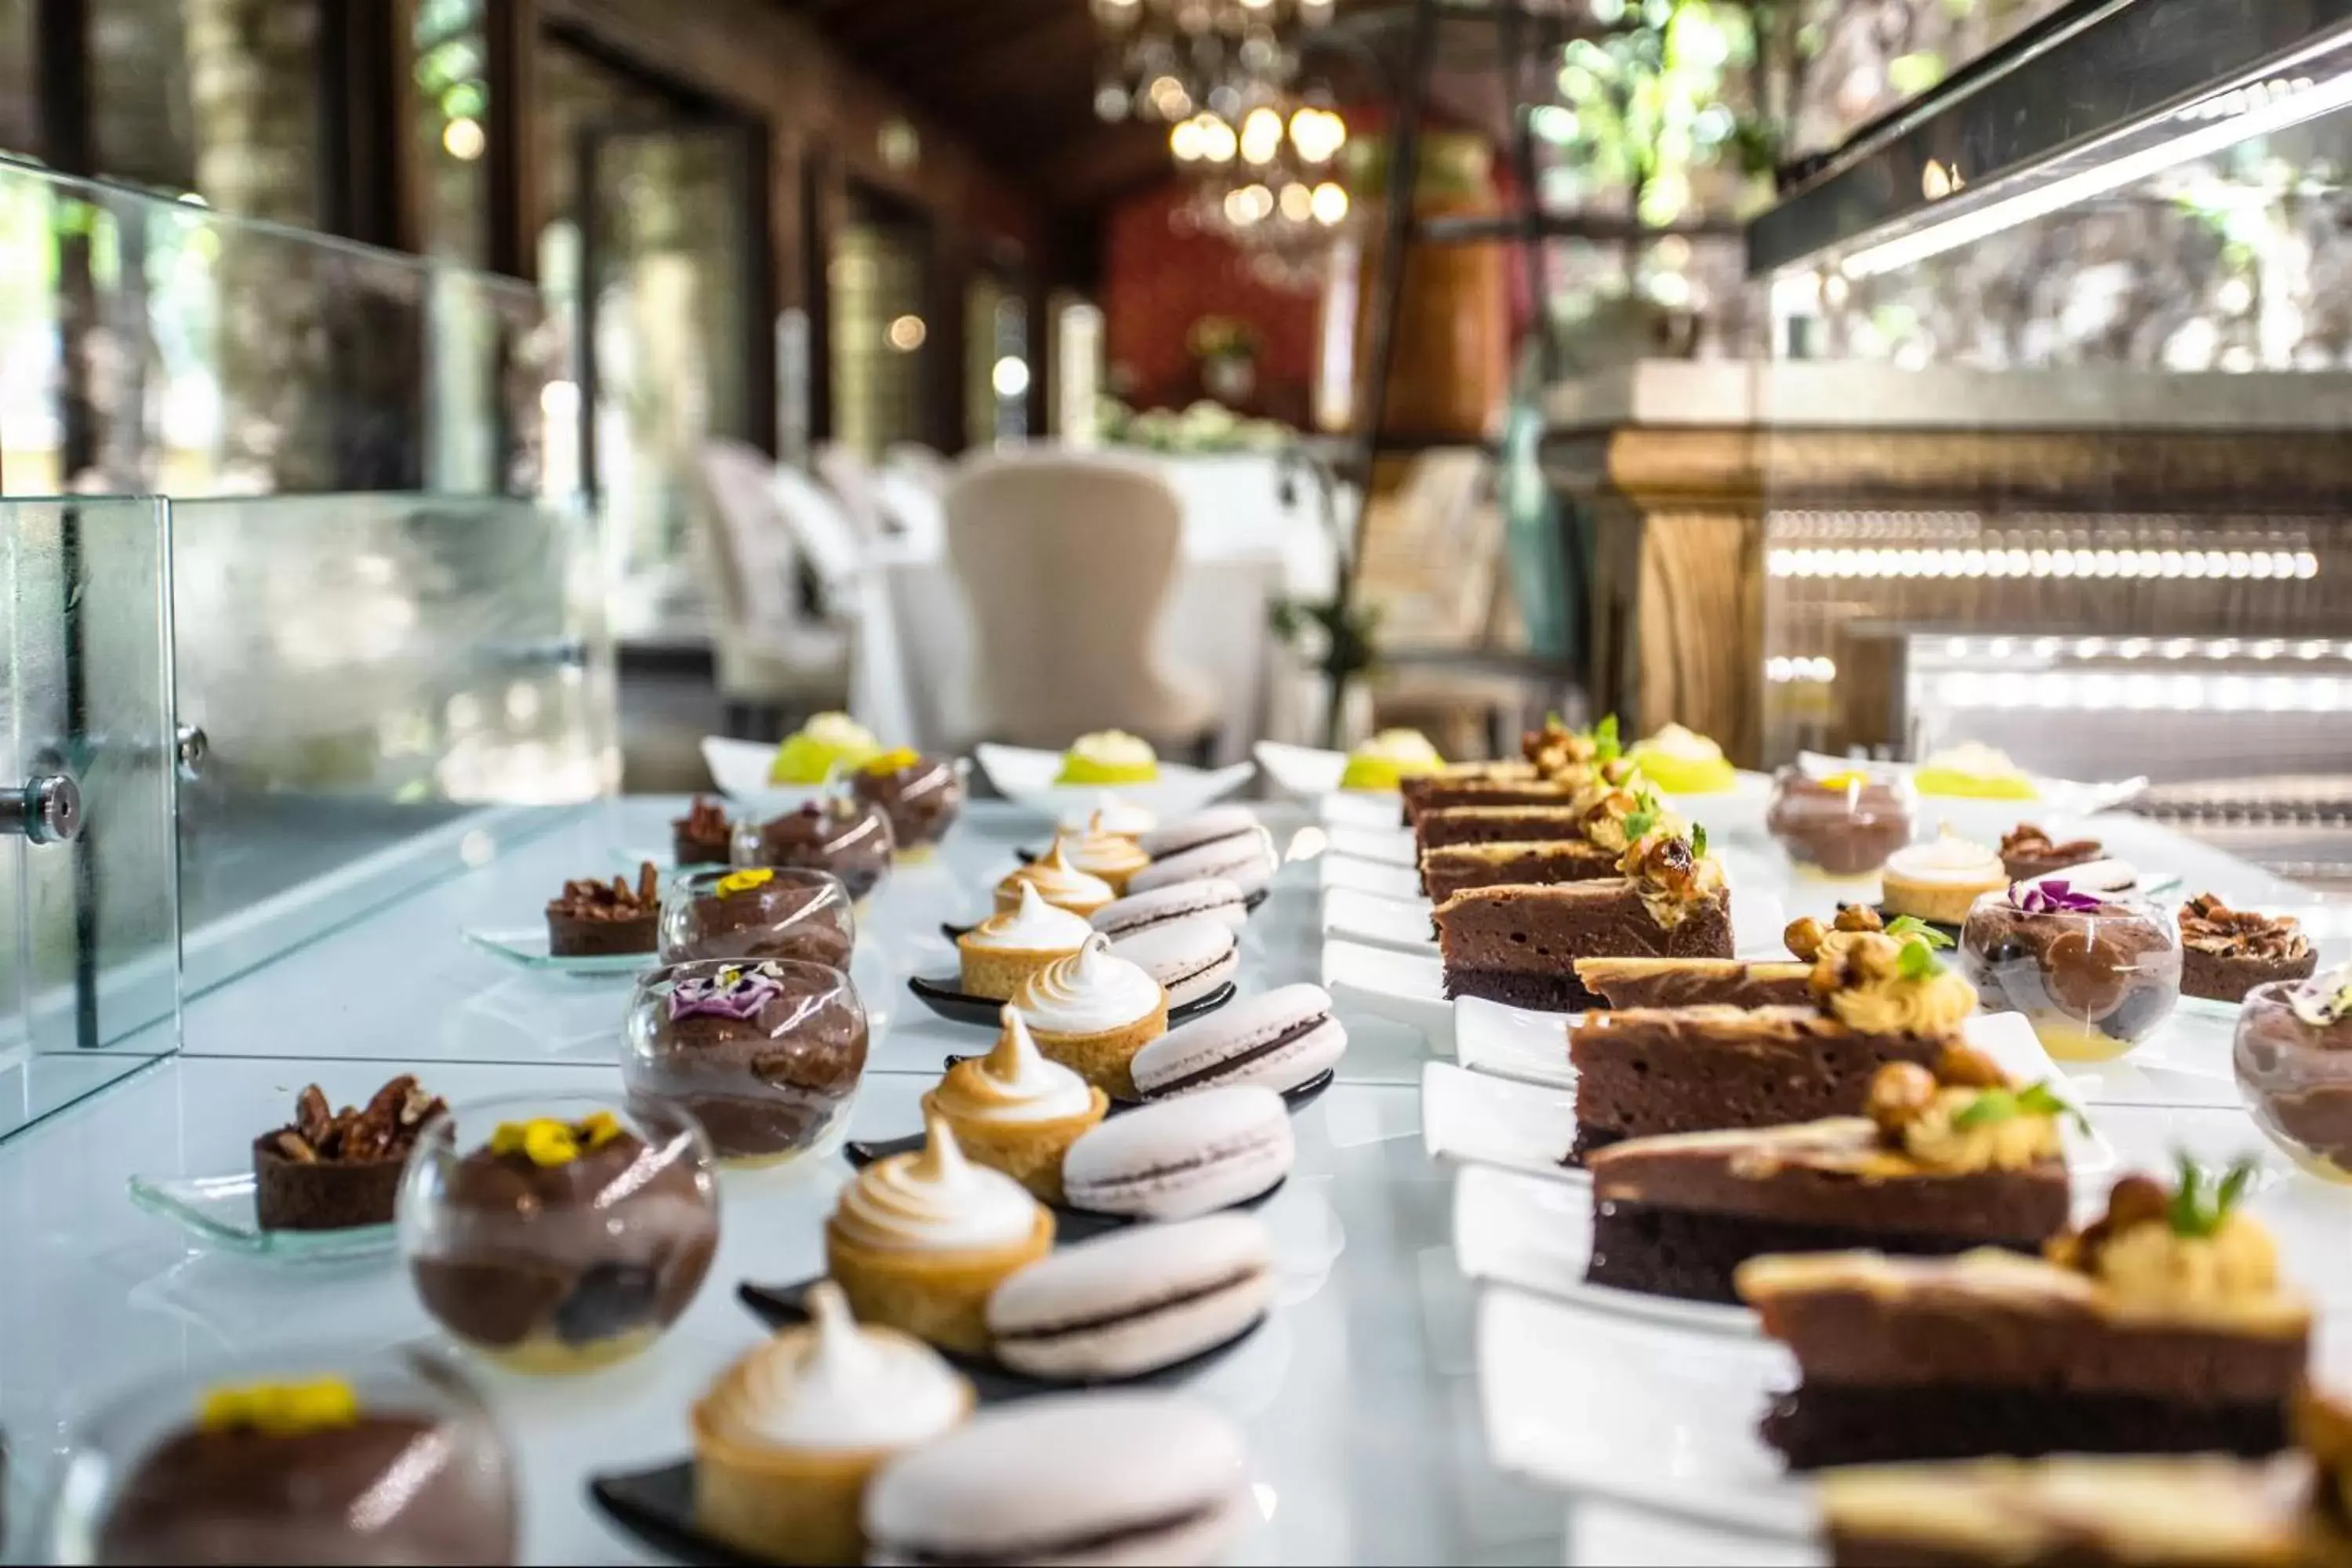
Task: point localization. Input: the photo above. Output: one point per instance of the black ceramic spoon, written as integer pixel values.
(952, 930)
(1297, 1097)
(656, 1506)
(962, 1008)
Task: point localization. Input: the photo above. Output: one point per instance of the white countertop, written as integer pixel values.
(1360, 1399)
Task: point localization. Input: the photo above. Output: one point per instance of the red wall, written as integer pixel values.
(1157, 281)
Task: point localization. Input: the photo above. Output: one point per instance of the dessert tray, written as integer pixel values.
(527, 946)
(218, 1212)
(1026, 777)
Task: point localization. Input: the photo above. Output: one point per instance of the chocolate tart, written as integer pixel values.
(2027, 852)
(598, 919)
(703, 836)
(2226, 952)
(338, 1170)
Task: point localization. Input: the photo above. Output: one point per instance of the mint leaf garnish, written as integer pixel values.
(1912, 927)
(1918, 962)
(2201, 1203)
(1698, 841)
(1605, 746)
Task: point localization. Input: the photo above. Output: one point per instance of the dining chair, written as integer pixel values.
(778, 650)
(1066, 564)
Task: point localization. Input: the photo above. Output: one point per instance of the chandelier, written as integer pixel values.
(1170, 60)
(1266, 181)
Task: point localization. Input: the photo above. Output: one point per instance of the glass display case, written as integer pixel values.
(2048, 452)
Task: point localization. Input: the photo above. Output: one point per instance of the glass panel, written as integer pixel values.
(149, 344)
(368, 670)
(877, 284)
(219, 98)
(453, 102)
(90, 926)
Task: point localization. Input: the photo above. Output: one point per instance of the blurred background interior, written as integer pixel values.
(471, 403)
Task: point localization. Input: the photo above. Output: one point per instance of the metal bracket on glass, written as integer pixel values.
(190, 745)
(45, 809)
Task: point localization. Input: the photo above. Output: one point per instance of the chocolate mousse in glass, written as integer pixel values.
(376, 1456)
(559, 1233)
(2093, 972)
(2293, 1057)
(850, 838)
(1840, 824)
(758, 911)
(765, 1056)
(923, 795)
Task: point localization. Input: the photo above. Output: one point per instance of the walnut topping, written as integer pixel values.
(385, 1129)
(613, 901)
(703, 819)
(2026, 841)
(2208, 925)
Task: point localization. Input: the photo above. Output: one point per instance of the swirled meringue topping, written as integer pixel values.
(835, 1386)
(1058, 881)
(1013, 1082)
(1091, 991)
(934, 1200)
(1113, 815)
(1032, 926)
(1099, 852)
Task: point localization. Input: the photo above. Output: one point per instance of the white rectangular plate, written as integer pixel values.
(1026, 776)
(1637, 1412)
(1382, 846)
(1376, 921)
(1536, 1234)
(1354, 808)
(1531, 1050)
(1469, 1119)
(1305, 772)
(1401, 883)
(1405, 988)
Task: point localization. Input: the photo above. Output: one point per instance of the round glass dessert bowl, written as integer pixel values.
(850, 838)
(1842, 824)
(559, 1233)
(765, 1056)
(2293, 1059)
(758, 912)
(326, 1458)
(922, 794)
(2093, 973)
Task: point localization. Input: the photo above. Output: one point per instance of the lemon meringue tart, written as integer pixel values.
(1099, 852)
(1010, 946)
(1057, 882)
(1015, 1112)
(1092, 1012)
(919, 1240)
(786, 1439)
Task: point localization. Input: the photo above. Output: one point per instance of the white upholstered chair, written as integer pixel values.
(774, 653)
(1067, 563)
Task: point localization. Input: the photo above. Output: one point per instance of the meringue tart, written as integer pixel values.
(1010, 945)
(1099, 852)
(786, 1439)
(1058, 881)
(1092, 1012)
(919, 1240)
(1015, 1112)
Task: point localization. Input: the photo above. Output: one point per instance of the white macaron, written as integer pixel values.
(1177, 901)
(1134, 1300)
(1182, 1157)
(1190, 958)
(1246, 859)
(1279, 1039)
(1201, 827)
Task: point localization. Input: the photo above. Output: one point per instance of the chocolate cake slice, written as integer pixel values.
(1448, 869)
(1507, 784)
(1443, 826)
(1694, 982)
(1941, 1166)
(2161, 1328)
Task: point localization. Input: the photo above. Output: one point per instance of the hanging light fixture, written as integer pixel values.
(1268, 182)
(1167, 59)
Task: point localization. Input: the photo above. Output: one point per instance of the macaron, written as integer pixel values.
(1246, 859)
(1201, 827)
(1177, 901)
(1119, 1476)
(1190, 958)
(1182, 1157)
(1278, 1040)
(1135, 1300)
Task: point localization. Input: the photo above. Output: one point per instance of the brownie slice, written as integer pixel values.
(1694, 982)
(1451, 825)
(1448, 869)
(1519, 944)
(1497, 784)
(1677, 1215)
(1642, 1071)
(1991, 1353)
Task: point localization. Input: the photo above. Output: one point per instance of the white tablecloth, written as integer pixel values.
(913, 680)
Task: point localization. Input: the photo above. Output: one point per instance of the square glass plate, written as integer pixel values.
(527, 946)
(218, 1211)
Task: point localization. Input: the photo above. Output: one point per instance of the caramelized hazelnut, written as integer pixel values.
(1899, 1094)
(1858, 917)
(1874, 957)
(2136, 1201)
(1965, 1067)
(1803, 938)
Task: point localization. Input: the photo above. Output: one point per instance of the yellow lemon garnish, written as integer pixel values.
(1843, 781)
(549, 1144)
(281, 1409)
(898, 760)
(601, 1128)
(736, 882)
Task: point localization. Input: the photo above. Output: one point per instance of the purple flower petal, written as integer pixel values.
(737, 994)
(2051, 897)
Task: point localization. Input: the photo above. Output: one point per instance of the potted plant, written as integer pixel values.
(1226, 349)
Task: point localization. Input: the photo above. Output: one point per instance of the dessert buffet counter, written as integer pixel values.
(1429, 1387)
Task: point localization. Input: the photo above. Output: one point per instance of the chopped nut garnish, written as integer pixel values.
(615, 900)
(1899, 1094)
(2208, 925)
(385, 1129)
(1965, 1067)
(705, 818)
(297, 1148)
(2027, 841)
(1803, 938)
(1858, 917)
(312, 1115)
